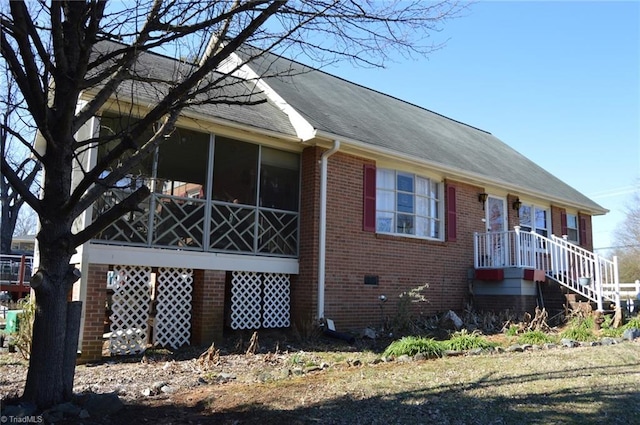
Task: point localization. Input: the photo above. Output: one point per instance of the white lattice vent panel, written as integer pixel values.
(173, 308)
(276, 301)
(245, 300)
(130, 310)
(259, 300)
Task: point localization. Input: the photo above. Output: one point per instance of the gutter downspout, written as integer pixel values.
(323, 226)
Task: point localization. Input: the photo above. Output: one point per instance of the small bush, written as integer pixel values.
(535, 338)
(580, 329)
(513, 330)
(22, 339)
(634, 322)
(463, 340)
(412, 345)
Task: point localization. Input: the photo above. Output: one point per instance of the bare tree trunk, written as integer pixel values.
(7, 220)
(6, 234)
(45, 379)
(74, 315)
(49, 364)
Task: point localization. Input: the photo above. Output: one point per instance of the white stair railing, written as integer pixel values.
(582, 271)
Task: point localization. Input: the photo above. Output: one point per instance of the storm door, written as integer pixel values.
(497, 240)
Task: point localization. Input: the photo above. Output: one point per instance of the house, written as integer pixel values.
(321, 202)
(16, 268)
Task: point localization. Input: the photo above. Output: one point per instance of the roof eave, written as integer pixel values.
(450, 172)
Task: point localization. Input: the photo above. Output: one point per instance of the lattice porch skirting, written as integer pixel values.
(131, 305)
(260, 300)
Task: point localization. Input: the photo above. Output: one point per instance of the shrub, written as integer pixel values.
(22, 339)
(463, 340)
(512, 330)
(535, 338)
(634, 322)
(412, 345)
(580, 329)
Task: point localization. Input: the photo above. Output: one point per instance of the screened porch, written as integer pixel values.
(208, 193)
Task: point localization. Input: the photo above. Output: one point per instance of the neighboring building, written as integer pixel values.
(313, 205)
(23, 245)
(16, 268)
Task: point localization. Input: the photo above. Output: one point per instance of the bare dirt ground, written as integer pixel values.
(332, 382)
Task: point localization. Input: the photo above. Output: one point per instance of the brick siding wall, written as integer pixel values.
(207, 314)
(94, 313)
(400, 263)
(304, 295)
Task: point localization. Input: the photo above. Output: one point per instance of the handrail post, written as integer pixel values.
(593, 270)
(475, 250)
(518, 247)
(616, 280)
(23, 259)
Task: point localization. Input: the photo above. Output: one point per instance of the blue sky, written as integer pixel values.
(557, 81)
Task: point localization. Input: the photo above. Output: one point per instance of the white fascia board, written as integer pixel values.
(241, 127)
(155, 257)
(235, 66)
(449, 172)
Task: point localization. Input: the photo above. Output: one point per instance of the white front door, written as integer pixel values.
(496, 228)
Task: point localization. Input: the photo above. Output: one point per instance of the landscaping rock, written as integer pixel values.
(225, 377)
(369, 333)
(569, 343)
(102, 404)
(403, 359)
(451, 321)
(631, 334)
(310, 369)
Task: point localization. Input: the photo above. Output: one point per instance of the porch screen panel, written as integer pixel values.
(279, 179)
(173, 309)
(130, 309)
(182, 164)
(235, 168)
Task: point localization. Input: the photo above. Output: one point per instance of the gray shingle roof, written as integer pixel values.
(339, 107)
(158, 68)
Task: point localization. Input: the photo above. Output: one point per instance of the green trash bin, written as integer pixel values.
(13, 321)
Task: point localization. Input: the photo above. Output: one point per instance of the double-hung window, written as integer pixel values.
(534, 219)
(572, 228)
(407, 204)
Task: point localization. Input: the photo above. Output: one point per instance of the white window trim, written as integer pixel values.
(533, 217)
(577, 228)
(439, 219)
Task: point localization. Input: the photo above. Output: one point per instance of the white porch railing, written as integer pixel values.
(582, 271)
(167, 221)
(15, 269)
